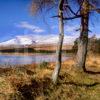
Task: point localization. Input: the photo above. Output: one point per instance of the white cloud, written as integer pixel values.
(67, 28)
(28, 26)
(71, 28)
(54, 27)
(92, 34)
(98, 35)
(51, 38)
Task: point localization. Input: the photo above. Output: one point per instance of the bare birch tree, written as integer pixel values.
(60, 43)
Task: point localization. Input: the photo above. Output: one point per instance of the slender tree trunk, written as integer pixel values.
(60, 43)
(83, 39)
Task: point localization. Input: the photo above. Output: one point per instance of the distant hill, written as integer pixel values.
(19, 41)
(36, 39)
(35, 43)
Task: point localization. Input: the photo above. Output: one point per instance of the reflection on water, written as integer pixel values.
(27, 59)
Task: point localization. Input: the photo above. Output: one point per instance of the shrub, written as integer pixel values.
(43, 65)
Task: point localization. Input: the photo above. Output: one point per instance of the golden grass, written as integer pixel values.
(93, 63)
(30, 82)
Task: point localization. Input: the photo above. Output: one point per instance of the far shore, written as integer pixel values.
(33, 54)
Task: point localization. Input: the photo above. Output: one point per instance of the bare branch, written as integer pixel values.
(80, 29)
(97, 10)
(55, 16)
(72, 11)
(70, 18)
(93, 8)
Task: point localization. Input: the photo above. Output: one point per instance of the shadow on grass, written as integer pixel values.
(81, 85)
(36, 88)
(90, 72)
(40, 88)
(29, 92)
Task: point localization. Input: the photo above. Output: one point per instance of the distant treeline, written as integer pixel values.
(19, 50)
(31, 50)
(93, 45)
(24, 50)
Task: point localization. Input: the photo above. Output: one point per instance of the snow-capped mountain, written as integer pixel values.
(37, 39)
(19, 40)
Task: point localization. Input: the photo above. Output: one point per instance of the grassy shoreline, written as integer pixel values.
(33, 82)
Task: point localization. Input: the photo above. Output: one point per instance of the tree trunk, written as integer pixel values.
(83, 39)
(60, 43)
(82, 52)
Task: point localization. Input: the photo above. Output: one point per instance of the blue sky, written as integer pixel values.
(16, 19)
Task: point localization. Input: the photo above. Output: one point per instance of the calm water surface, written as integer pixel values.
(28, 59)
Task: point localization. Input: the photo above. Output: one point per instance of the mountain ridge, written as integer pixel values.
(36, 39)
